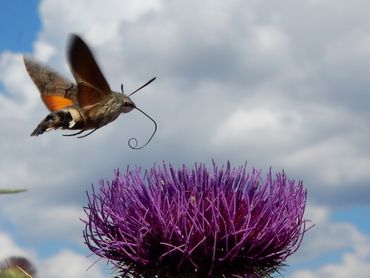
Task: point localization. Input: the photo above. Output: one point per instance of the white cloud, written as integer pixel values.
(69, 264)
(54, 221)
(9, 248)
(43, 51)
(327, 238)
(65, 263)
(99, 21)
(250, 125)
(271, 39)
(352, 264)
(318, 214)
(18, 100)
(332, 160)
(241, 123)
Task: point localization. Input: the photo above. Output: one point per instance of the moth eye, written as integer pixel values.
(128, 102)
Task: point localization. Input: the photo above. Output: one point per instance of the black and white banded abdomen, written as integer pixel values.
(67, 118)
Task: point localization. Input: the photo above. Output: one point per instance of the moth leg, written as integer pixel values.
(74, 134)
(82, 136)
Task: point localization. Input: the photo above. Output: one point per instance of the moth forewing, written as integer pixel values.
(84, 67)
(49, 82)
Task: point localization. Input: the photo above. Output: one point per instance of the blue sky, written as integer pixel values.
(279, 84)
(19, 25)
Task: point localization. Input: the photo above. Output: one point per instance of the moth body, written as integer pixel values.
(85, 105)
(106, 111)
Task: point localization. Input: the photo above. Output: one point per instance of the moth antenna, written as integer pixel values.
(138, 89)
(122, 89)
(134, 146)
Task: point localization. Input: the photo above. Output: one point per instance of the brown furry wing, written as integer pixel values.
(92, 86)
(56, 91)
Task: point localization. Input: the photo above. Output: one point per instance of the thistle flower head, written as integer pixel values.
(218, 221)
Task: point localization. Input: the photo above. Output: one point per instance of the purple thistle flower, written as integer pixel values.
(220, 222)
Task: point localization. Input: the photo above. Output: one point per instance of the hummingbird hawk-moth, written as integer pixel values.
(88, 105)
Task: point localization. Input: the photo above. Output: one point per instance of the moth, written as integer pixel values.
(86, 105)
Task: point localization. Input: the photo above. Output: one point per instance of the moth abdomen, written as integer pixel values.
(68, 118)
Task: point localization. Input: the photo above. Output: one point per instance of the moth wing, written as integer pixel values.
(54, 103)
(88, 96)
(91, 84)
(56, 91)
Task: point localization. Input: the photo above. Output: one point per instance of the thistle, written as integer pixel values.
(199, 222)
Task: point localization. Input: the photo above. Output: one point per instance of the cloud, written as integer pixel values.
(49, 222)
(326, 237)
(65, 263)
(9, 247)
(348, 248)
(100, 21)
(352, 264)
(68, 264)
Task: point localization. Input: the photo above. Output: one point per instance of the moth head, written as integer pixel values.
(127, 105)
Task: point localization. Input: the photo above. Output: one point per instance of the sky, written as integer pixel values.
(282, 84)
